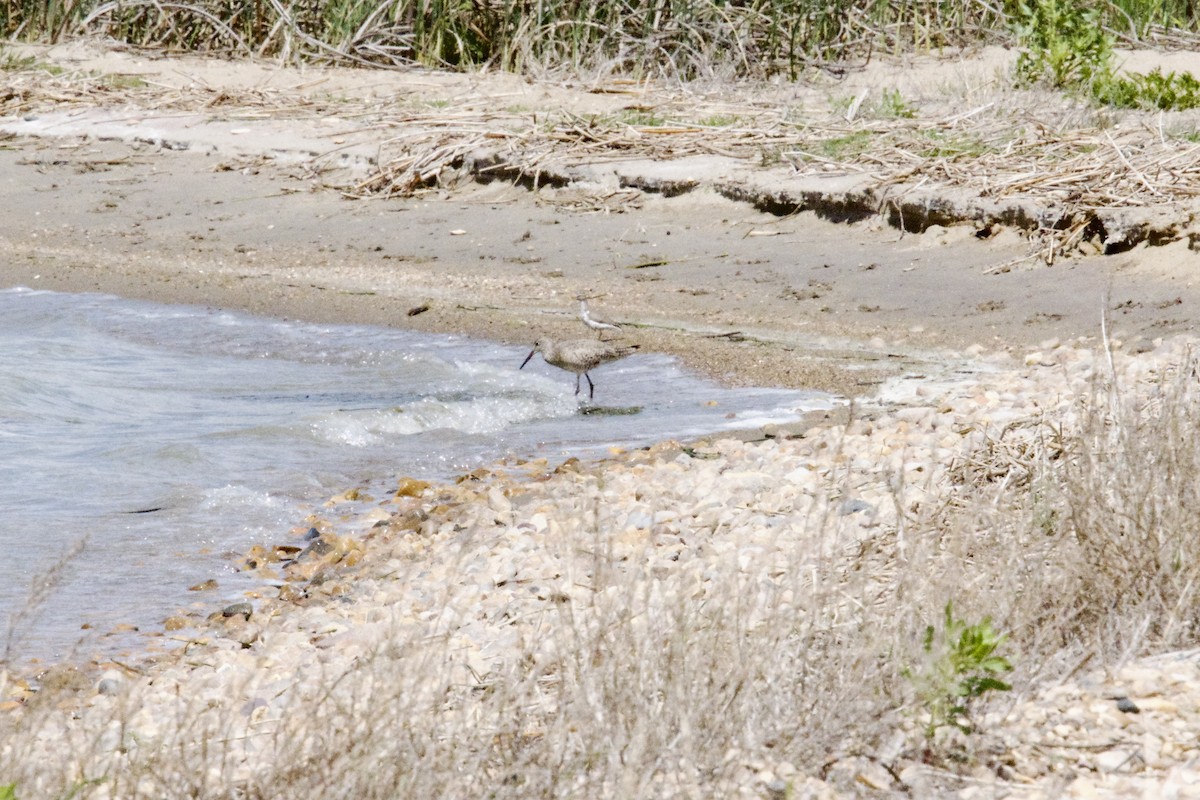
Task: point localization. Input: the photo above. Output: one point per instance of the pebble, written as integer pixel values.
(243, 610)
(110, 683)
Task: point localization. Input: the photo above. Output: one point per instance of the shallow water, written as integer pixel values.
(157, 440)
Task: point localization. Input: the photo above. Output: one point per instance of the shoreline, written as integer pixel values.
(228, 206)
(172, 608)
(477, 567)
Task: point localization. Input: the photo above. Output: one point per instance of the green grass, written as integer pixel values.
(848, 145)
(721, 121)
(1067, 46)
(943, 144)
(640, 118)
(1190, 135)
(892, 105)
(10, 62)
(123, 81)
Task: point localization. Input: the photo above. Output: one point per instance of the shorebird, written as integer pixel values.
(580, 356)
(598, 325)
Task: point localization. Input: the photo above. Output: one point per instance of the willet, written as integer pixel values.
(579, 356)
(598, 325)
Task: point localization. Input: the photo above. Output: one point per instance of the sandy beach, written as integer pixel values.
(484, 624)
(233, 206)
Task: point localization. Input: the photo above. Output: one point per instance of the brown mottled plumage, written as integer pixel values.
(579, 356)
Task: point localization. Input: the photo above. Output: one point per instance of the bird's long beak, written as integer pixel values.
(526, 361)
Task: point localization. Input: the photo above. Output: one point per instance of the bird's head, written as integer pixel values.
(537, 346)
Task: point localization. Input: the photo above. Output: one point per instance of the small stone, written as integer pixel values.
(243, 632)
(110, 683)
(348, 496)
(777, 788)
(1114, 760)
(411, 487)
(1128, 706)
(854, 506)
(243, 610)
(320, 546)
(290, 593)
(176, 622)
(203, 586)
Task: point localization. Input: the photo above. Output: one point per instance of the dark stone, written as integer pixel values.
(1126, 705)
(318, 547)
(238, 609)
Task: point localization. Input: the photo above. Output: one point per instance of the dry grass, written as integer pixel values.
(607, 671)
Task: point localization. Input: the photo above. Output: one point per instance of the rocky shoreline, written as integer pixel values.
(500, 580)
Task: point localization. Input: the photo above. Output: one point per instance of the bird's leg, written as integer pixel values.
(591, 386)
(577, 383)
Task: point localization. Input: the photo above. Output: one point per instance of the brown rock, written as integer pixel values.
(411, 487)
(291, 594)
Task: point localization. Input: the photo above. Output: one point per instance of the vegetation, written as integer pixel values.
(685, 38)
(962, 666)
(1065, 44)
(679, 37)
(1067, 47)
(1153, 90)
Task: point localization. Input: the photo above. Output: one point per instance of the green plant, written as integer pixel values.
(893, 106)
(1154, 90)
(720, 121)
(1065, 45)
(846, 146)
(640, 117)
(941, 144)
(1191, 135)
(10, 62)
(8, 792)
(123, 81)
(962, 666)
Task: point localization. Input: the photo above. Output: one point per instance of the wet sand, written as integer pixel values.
(738, 294)
(205, 185)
